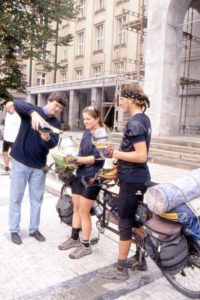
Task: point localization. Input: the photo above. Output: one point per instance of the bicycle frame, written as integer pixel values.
(108, 216)
(184, 280)
(176, 280)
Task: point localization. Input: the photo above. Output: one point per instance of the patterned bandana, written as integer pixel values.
(131, 95)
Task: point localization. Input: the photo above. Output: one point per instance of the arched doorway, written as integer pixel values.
(162, 63)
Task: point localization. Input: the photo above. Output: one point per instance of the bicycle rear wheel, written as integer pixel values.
(188, 280)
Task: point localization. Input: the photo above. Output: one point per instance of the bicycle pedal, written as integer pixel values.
(94, 241)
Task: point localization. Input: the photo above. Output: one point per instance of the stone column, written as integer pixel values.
(73, 109)
(162, 63)
(96, 98)
(42, 100)
(31, 98)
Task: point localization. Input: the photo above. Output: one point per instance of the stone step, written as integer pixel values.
(174, 147)
(175, 154)
(179, 141)
(181, 151)
(177, 163)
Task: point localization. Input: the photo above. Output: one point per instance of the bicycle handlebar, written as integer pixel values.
(98, 184)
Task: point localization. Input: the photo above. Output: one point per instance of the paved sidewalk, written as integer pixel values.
(36, 270)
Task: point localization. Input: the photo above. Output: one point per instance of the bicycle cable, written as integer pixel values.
(116, 242)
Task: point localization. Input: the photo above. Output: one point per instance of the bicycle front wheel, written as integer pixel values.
(187, 281)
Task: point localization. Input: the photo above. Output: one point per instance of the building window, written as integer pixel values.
(82, 12)
(79, 74)
(41, 79)
(99, 37)
(65, 23)
(100, 5)
(97, 71)
(42, 53)
(80, 43)
(64, 76)
(64, 53)
(121, 32)
(119, 67)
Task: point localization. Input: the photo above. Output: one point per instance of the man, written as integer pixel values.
(11, 128)
(29, 155)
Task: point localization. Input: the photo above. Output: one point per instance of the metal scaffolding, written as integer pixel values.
(136, 23)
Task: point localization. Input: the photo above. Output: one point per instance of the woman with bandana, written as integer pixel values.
(133, 174)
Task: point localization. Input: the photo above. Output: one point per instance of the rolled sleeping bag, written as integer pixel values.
(166, 196)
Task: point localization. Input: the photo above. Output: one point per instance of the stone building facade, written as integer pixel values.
(103, 54)
(172, 72)
(115, 42)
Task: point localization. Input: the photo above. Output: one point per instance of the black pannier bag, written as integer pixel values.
(142, 214)
(64, 208)
(166, 245)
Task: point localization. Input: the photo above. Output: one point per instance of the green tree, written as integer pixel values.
(26, 27)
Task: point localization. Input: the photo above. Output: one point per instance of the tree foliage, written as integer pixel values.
(26, 27)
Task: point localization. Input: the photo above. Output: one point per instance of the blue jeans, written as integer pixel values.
(20, 176)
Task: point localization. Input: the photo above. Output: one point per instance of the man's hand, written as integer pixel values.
(36, 120)
(45, 136)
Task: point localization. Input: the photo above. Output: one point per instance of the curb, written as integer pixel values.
(53, 184)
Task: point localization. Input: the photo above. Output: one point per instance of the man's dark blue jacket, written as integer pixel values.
(29, 148)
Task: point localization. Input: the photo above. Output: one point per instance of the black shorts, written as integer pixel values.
(7, 146)
(130, 194)
(90, 192)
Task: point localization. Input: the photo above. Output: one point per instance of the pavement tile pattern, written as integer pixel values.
(36, 270)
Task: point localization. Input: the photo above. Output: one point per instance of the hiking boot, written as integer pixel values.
(15, 238)
(81, 251)
(133, 263)
(38, 236)
(69, 243)
(112, 272)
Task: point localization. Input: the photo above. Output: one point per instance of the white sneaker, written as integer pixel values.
(4, 172)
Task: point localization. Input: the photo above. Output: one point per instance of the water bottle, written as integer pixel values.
(68, 147)
(97, 210)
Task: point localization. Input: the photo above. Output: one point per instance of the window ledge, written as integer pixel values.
(64, 60)
(117, 46)
(118, 2)
(79, 56)
(98, 11)
(98, 51)
(81, 19)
